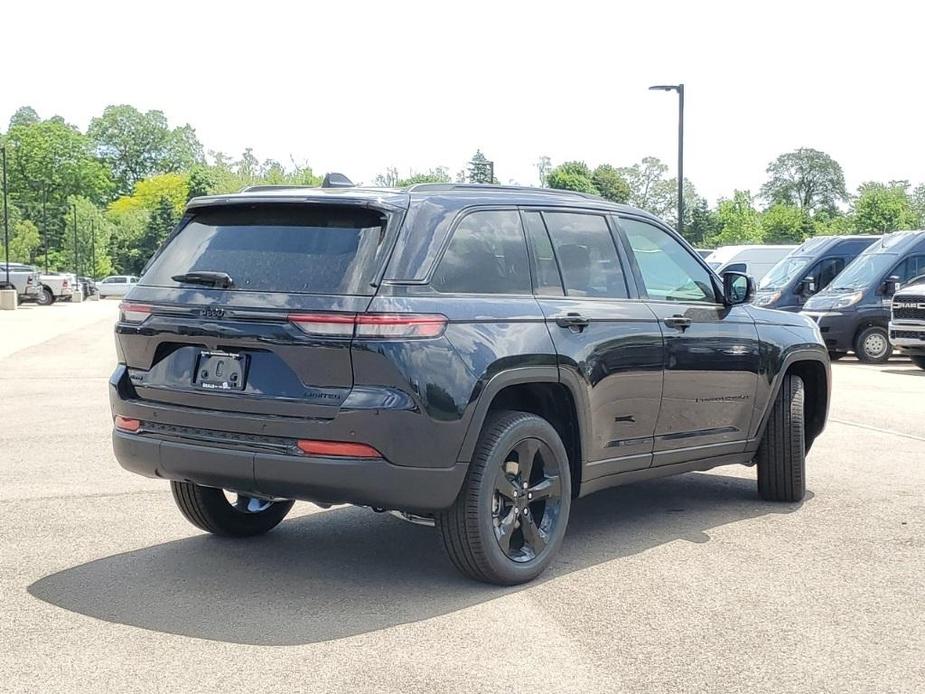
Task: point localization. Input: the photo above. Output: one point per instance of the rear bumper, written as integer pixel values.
(327, 480)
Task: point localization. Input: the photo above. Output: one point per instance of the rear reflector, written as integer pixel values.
(370, 325)
(337, 449)
(133, 313)
(126, 424)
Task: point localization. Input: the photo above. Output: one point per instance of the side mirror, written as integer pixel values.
(890, 285)
(738, 288)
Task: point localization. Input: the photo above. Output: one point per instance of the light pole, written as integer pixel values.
(6, 223)
(679, 88)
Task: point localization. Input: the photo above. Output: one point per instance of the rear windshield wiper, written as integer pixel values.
(211, 279)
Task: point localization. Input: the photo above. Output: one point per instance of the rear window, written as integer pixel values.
(319, 249)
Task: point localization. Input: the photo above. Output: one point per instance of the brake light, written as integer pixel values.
(133, 313)
(337, 449)
(370, 325)
(64, 284)
(126, 424)
(29, 279)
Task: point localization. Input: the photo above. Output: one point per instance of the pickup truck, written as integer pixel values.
(56, 286)
(907, 321)
(24, 279)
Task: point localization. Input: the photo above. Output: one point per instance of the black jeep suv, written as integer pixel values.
(473, 357)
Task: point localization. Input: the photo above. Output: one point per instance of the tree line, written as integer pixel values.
(122, 185)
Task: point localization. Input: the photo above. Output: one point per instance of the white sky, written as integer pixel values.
(360, 86)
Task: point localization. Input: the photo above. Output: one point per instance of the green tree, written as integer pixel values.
(737, 221)
(543, 167)
(25, 115)
(136, 145)
(918, 204)
(805, 178)
(49, 161)
(480, 169)
(703, 223)
(200, 181)
(439, 174)
(25, 242)
(572, 175)
(610, 184)
(883, 207)
(643, 179)
(161, 222)
(784, 224)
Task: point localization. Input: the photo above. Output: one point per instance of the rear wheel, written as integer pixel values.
(872, 345)
(510, 516)
(919, 361)
(231, 515)
(45, 297)
(782, 454)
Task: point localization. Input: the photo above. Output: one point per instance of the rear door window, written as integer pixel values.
(587, 255)
(487, 255)
(310, 249)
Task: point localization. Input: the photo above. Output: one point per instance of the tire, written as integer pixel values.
(835, 356)
(491, 500)
(781, 456)
(918, 360)
(45, 297)
(208, 509)
(872, 345)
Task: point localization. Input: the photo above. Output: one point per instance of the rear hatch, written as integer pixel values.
(249, 308)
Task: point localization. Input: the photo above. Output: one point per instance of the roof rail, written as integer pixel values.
(271, 186)
(493, 187)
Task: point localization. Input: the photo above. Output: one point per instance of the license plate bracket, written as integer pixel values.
(220, 371)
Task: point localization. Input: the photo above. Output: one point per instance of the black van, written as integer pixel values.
(808, 270)
(853, 312)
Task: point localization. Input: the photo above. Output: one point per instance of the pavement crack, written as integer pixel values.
(880, 430)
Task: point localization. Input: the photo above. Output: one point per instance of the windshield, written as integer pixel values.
(781, 274)
(863, 270)
(319, 249)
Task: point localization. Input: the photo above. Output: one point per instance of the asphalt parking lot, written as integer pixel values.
(688, 584)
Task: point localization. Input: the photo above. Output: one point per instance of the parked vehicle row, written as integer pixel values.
(47, 288)
(853, 312)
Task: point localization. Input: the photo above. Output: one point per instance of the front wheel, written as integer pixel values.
(240, 516)
(509, 519)
(918, 360)
(872, 345)
(782, 453)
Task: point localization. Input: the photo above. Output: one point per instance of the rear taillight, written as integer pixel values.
(324, 324)
(126, 424)
(133, 313)
(337, 449)
(370, 326)
(64, 284)
(29, 279)
(386, 325)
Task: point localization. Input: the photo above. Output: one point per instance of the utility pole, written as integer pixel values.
(6, 222)
(92, 249)
(76, 257)
(45, 222)
(679, 88)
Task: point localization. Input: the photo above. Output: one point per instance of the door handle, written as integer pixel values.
(574, 321)
(679, 322)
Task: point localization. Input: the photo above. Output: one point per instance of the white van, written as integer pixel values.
(753, 260)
